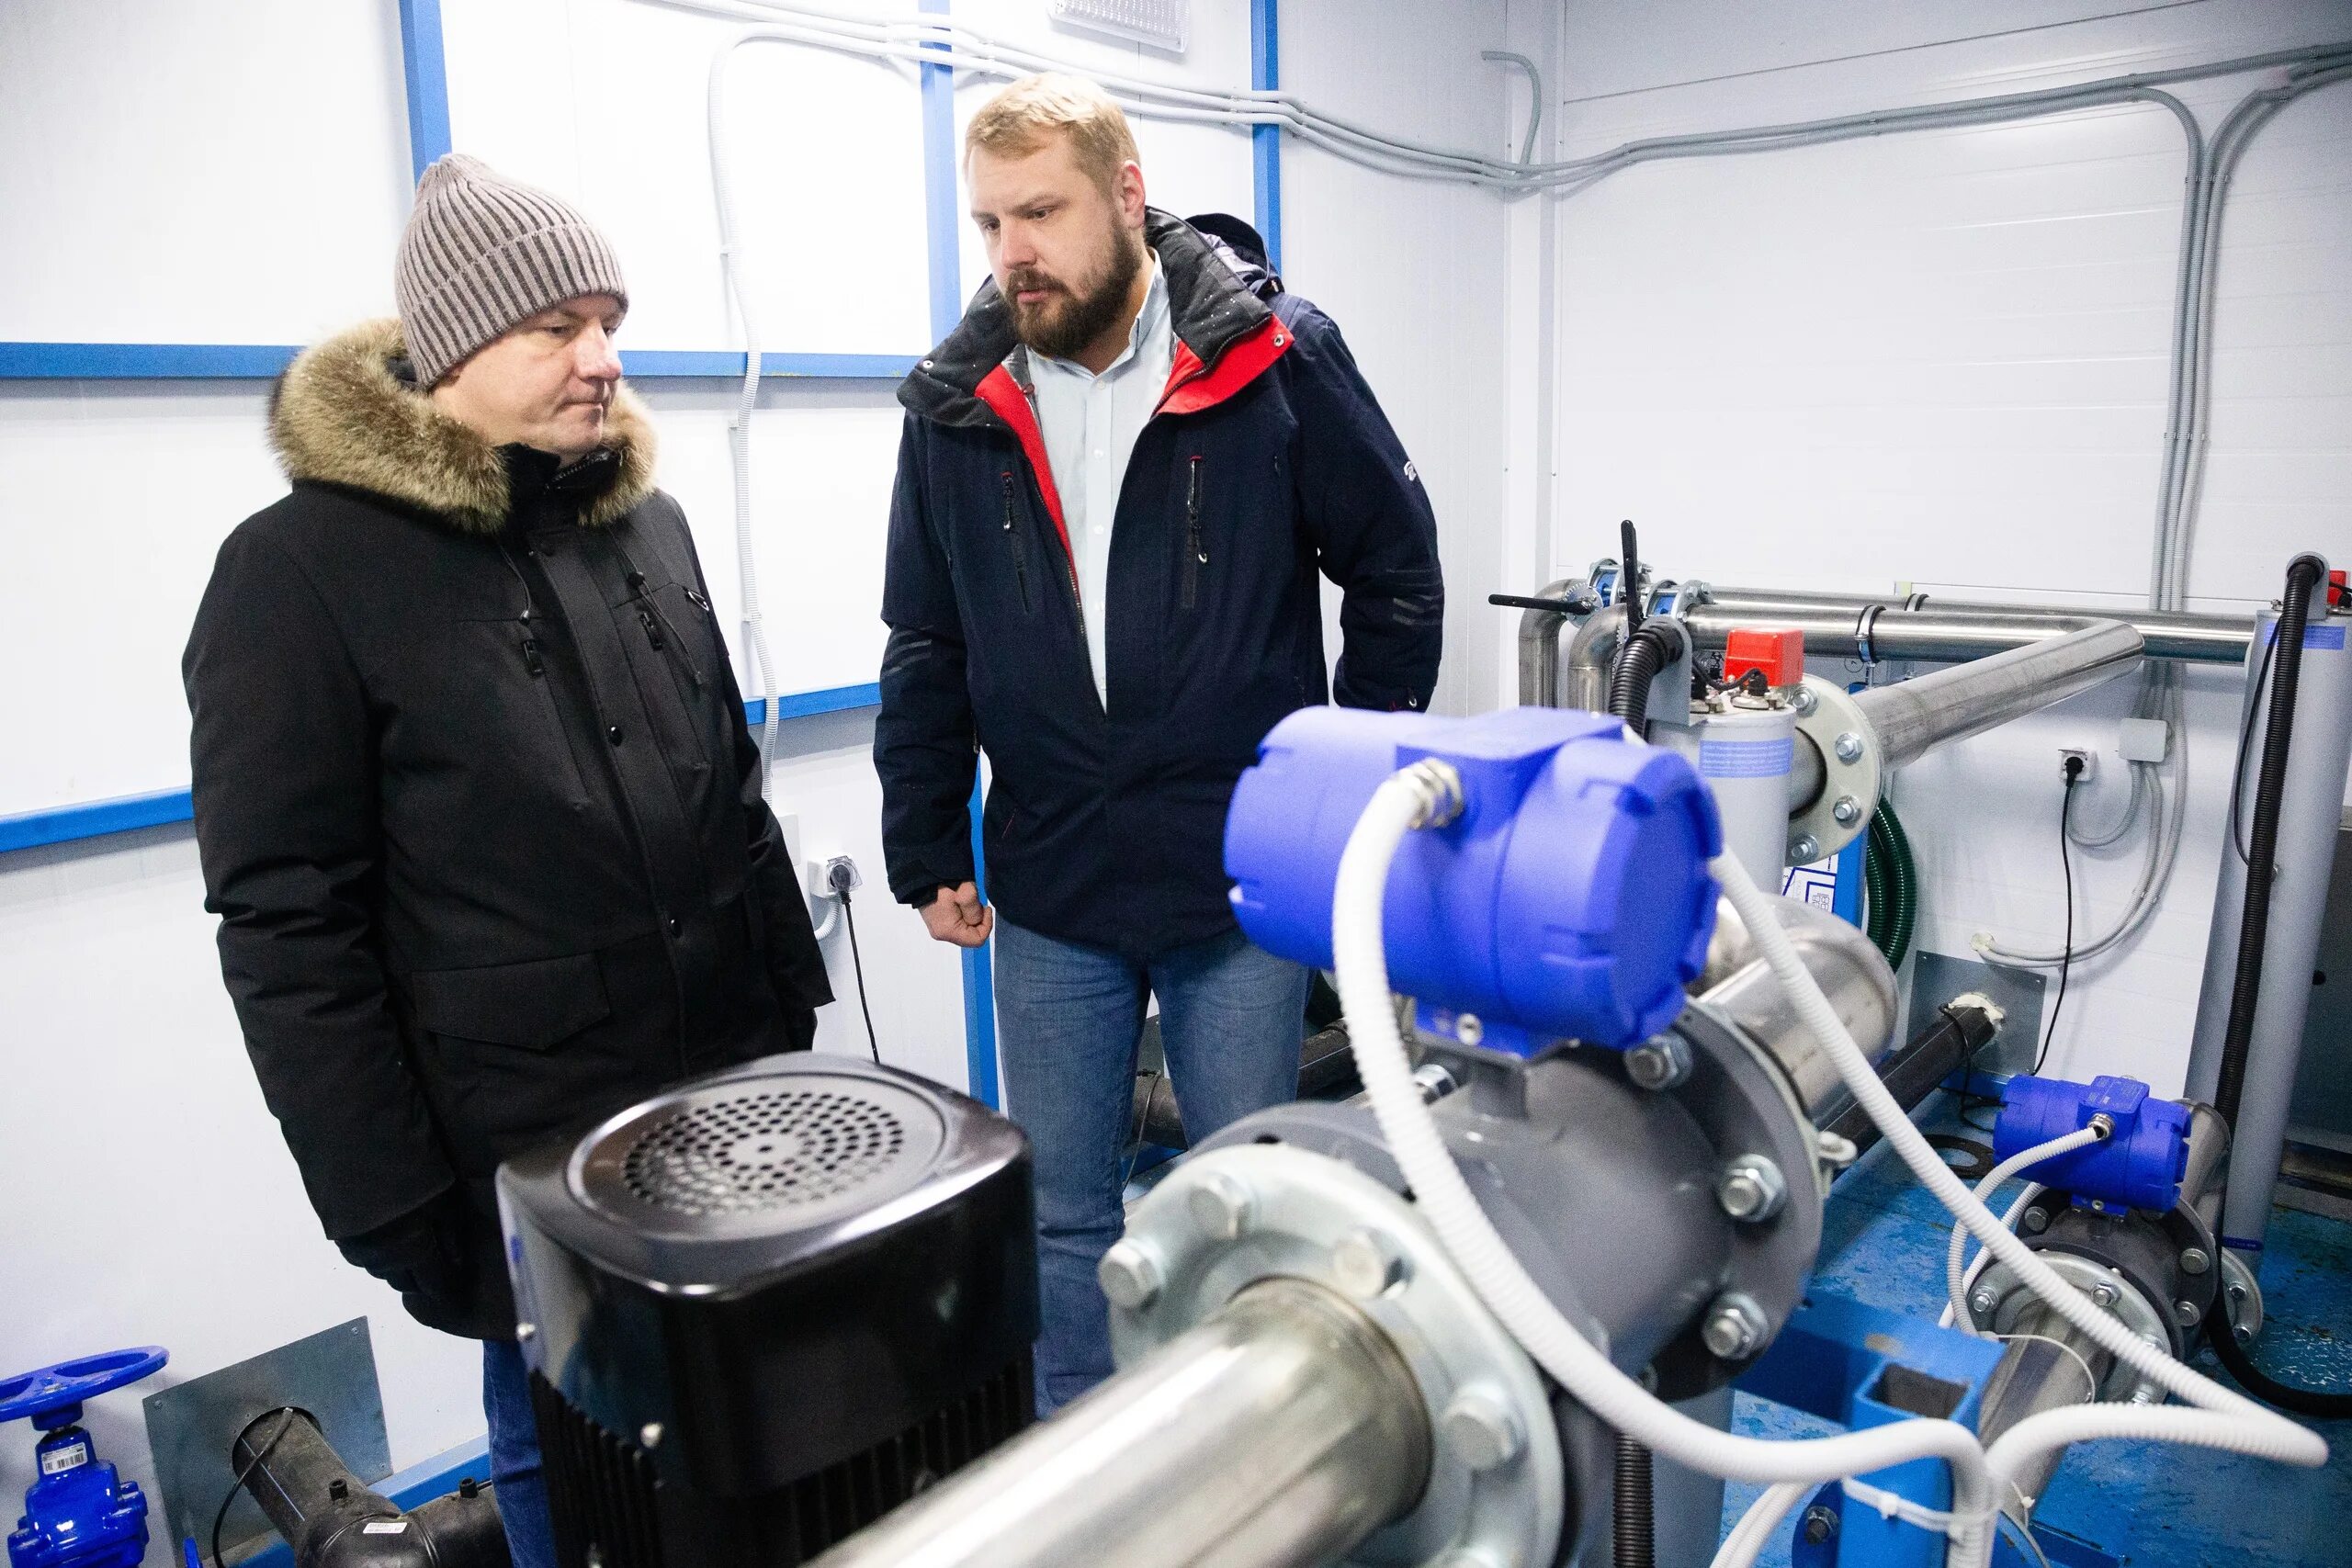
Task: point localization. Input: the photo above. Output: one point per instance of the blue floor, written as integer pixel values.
(2162, 1507)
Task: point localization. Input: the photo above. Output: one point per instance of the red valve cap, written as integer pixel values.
(1778, 652)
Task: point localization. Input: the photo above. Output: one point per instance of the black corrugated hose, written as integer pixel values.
(1635, 1539)
(1648, 651)
(2303, 576)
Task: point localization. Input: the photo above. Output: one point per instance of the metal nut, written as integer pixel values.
(2105, 1295)
(1984, 1301)
(1222, 1205)
(1661, 1061)
(2242, 1334)
(650, 1434)
(2036, 1219)
(1366, 1265)
(1482, 1430)
(1849, 749)
(1837, 1150)
(1820, 1523)
(2195, 1260)
(2187, 1312)
(1130, 1275)
(1734, 1327)
(1804, 702)
(1469, 1029)
(1804, 849)
(1847, 809)
(1751, 1189)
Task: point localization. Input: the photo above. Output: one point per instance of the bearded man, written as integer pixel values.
(1119, 477)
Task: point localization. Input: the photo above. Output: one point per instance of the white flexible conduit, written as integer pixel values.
(1955, 1280)
(2225, 1418)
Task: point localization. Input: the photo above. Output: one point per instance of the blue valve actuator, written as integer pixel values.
(1570, 900)
(2139, 1166)
(79, 1512)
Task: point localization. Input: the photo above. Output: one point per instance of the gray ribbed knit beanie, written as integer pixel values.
(482, 253)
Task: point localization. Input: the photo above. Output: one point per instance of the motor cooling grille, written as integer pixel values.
(760, 1154)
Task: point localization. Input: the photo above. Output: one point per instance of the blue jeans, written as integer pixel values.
(1231, 1017)
(521, 1493)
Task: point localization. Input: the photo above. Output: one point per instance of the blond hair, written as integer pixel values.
(1018, 120)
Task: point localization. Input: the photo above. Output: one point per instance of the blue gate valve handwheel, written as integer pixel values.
(79, 1513)
(1570, 900)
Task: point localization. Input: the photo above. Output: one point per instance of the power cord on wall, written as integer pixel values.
(840, 879)
(2073, 766)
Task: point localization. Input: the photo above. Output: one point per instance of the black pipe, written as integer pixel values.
(1924, 1061)
(1634, 1541)
(332, 1519)
(2304, 574)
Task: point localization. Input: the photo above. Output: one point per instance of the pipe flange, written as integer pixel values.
(2113, 1290)
(1855, 779)
(2241, 1294)
(1744, 1105)
(1497, 1478)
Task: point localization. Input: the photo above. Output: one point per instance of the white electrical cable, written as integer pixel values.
(1978, 1265)
(1748, 1538)
(1955, 1284)
(2227, 1419)
(1445, 1202)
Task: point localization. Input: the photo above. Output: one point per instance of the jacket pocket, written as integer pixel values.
(1195, 551)
(1011, 532)
(533, 1005)
(535, 664)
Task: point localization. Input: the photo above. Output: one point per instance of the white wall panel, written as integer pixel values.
(198, 174)
(1940, 359)
(824, 149)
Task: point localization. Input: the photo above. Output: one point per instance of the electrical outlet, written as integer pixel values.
(2088, 758)
(841, 876)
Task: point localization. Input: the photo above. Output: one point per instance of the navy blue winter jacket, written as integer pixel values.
(1268, 459)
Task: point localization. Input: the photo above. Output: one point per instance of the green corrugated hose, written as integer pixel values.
(1891, 882)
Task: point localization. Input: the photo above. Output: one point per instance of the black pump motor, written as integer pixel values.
(765, 1308)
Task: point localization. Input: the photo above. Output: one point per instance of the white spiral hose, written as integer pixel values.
(2226, 1419)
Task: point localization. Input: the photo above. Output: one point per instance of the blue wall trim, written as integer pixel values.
(30, 830)
(427, 77)
(145, 361)
(940, 225)
(646, 363)
(1266, 141)
(244, 362)
(65, 824)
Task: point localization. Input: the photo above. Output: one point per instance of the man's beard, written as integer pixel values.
(1065, 322)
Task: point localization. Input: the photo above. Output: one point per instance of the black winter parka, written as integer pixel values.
(1268, 461)
(474, 798)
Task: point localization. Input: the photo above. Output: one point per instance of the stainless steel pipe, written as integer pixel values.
(1279, 1434)
(1538, 647)
(2050, 1365)
(1912, 716)
(1951, 631)
(1852, 973)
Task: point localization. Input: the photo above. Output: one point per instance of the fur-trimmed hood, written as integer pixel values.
(341, 415)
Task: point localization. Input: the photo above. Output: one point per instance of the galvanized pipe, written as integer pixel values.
(1912, 715)
(1279, 1434)
(1539, 648)
(1950, 631)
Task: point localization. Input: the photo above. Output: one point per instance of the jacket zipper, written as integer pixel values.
(1013, 542)
(1196, 556)
(650, 616)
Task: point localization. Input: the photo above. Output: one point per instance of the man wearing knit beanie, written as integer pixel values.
(474, 796)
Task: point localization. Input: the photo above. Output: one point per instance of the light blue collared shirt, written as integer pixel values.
(1091, 424)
